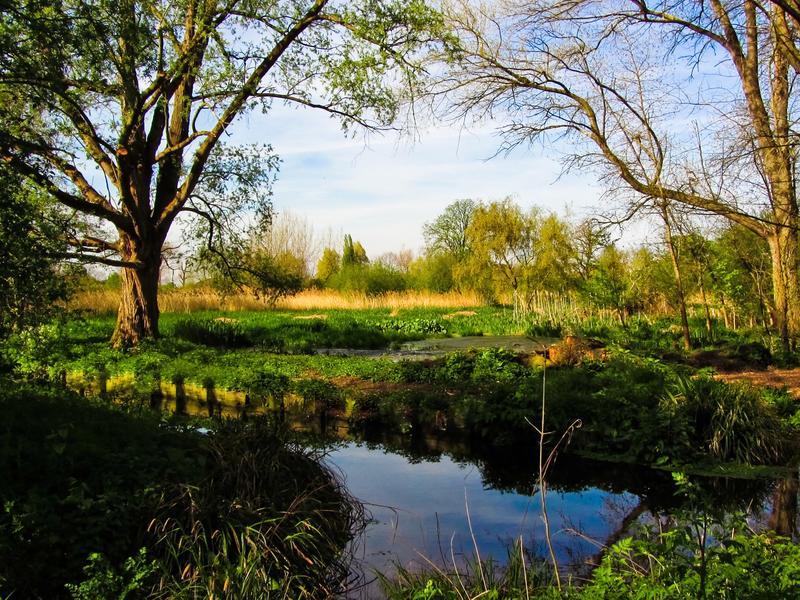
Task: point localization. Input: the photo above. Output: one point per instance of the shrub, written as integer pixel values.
(731, 422)
(218, 332)
(267, 520)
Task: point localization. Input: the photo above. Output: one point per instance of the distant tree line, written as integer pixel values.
(509, 255)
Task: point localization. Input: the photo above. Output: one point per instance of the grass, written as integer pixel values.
(629, 404)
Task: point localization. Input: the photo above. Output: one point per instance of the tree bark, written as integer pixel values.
(137, 316)
(785, 254)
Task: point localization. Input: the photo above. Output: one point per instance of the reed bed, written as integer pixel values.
(330, 299)
(187, 300)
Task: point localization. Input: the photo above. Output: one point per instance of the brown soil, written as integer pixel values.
(779, 378)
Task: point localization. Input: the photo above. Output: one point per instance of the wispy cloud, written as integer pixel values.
(383, 189)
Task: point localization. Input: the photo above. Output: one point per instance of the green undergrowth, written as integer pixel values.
(668, 565)
(626, 406)
(98, 502)
(293, 332)
(623, 406)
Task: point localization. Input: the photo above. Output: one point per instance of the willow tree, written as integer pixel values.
(118, 110)
(691, 102)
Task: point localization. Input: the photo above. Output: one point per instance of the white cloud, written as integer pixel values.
(381, 190)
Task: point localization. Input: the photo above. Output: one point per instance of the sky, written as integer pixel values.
(383, 189)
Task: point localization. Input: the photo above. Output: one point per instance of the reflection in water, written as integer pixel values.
(783, 517)
(419, 491)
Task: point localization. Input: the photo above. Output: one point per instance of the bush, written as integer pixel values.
(730, 422)
(370, 279)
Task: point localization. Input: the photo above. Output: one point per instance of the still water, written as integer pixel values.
(422, 510)
(437, 501)
(436, 498)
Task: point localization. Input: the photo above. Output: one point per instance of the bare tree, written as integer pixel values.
(688, 101)
(288, 234)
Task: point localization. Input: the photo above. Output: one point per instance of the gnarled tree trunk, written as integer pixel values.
(137, 316)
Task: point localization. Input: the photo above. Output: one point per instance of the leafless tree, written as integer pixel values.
(691, 102)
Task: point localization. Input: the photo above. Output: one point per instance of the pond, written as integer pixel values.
(436, 500)
(439, 497)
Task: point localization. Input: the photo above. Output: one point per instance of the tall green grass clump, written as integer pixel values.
(267, 521)
(729, 422)
(220, 332)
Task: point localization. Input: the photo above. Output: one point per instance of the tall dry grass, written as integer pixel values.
(106, 301)
(330, 299)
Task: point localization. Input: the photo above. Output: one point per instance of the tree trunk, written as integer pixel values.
(709, 323)
(784, 251)
(137, 316)
(673, 252)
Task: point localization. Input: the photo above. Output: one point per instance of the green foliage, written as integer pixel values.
(607, 284)
(319, 395)
(78, 479)
(30, 283)
(104, 581)
(80, 108)
(698, 558)
(218, 332)
(353, 253)
(370, 279)
(159, 510)
(447, 234)
(729, 422)
(433, 272)
(328, 264)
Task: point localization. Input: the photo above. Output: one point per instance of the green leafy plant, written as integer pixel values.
(219, 332)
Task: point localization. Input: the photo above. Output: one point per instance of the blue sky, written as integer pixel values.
(383, 189)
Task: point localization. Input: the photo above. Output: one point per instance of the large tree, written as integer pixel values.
(118, 109)
(691, 102)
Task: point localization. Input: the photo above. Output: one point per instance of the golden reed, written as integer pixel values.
(205, 299)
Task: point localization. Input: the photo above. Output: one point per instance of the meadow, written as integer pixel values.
(636, 395)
